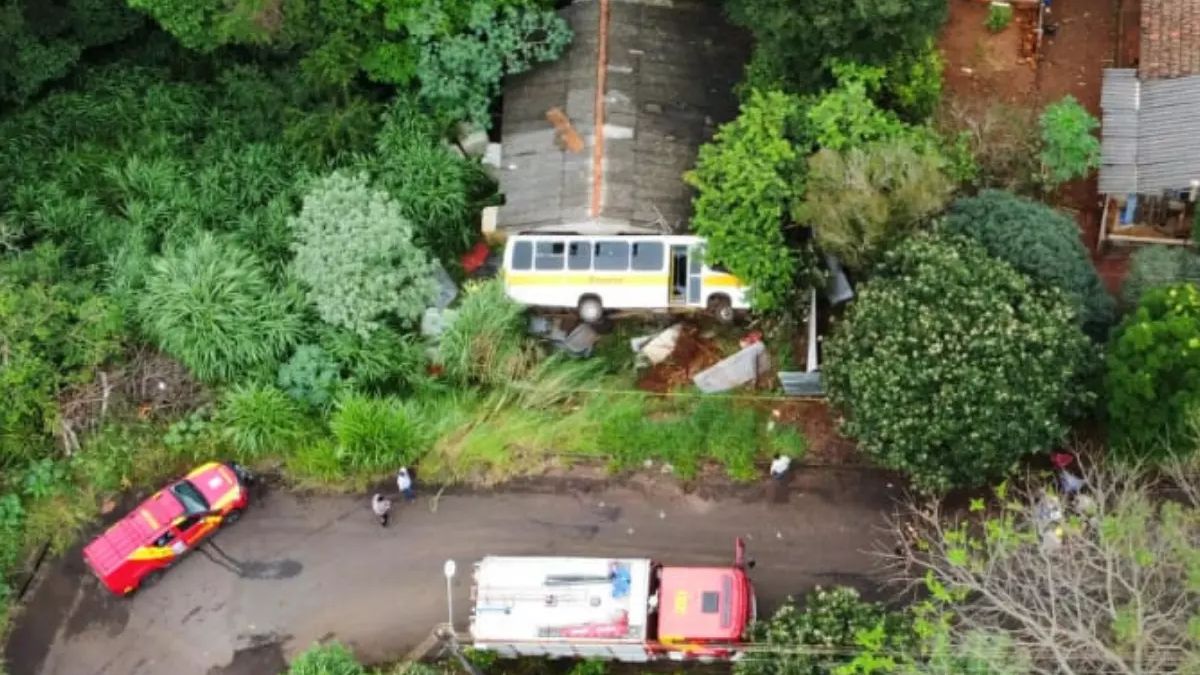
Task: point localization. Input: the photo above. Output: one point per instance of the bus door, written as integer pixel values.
(695, 270)
(679, 275)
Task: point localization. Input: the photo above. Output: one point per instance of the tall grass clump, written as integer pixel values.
(259, 419)
(210, 304)
(486, 341)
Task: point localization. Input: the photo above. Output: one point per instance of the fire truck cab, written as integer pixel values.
(623, 609)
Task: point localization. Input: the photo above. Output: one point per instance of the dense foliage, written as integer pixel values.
(951, 366)
(862, 199)
(211, 305)
(1153, 380)
(1039, 242)
(1154, 266)
(42, 41)
(456, 52)
(749, 180)
(825, 633)
(1069, 148)
(794, 39)
(355, 252)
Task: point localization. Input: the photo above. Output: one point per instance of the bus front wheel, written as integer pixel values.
(720, 307)
(590, 309)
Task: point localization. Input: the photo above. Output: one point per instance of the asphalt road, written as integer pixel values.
(301, 569)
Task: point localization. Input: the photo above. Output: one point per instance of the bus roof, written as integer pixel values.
(562, 599)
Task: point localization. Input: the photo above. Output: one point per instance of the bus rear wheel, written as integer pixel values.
(590, 309)
(720, 307)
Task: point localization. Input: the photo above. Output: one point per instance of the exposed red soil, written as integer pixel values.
(693, 353)
(818, 424)
(1083, 38)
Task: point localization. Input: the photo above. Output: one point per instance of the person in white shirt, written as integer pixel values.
(405, 483)
(780, 466)
(380, 505)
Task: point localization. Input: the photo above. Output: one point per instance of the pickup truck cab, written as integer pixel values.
(136, 550)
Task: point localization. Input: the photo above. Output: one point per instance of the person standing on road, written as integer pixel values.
(405, 483)
(381, 505)
(780, 466)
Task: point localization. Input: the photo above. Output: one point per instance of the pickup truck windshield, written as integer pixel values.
(187, 494)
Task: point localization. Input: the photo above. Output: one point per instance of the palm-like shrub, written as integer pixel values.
(210, 304)
(259, 419)
(486, 341)
(377, 433)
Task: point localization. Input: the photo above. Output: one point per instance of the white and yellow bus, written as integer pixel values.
(598, 273)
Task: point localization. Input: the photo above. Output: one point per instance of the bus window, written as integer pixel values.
(579, 255)
(549, 256)
(648, 256)
(612, 256)
(522, 255)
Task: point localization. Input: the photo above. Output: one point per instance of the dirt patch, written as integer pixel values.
(985, 65)
(694, 352)
(826, 446)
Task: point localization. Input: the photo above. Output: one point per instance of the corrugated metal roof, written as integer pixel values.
(1150, 134)
(670, 77)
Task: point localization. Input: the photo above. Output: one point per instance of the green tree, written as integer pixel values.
(1039, 242)
(1069, 148)
(794, 38)
(42, 41)
(1154, 266)
(952, 366)
(1153, 380)
(1109, 587)
(749, 180)
(355, 252)
(461, 74)
(210, 304)
(860, 200)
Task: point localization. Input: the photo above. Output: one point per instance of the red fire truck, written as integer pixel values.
(623, 609)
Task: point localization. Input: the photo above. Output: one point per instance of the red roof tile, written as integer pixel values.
(1170, 39)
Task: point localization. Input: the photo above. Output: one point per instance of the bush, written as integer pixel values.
(914, 83)
(951, 366)
(375, 434)
(860, 200)
(832, 624)
(486, 340)
(328, 659)
(386, 361)
(1157, 266)
(209, 304)
(437, 190)
(355, 252)
(998, 17)
(1069, 149)
(311, 377)
(1039, 242)
(1153, 378)
(259, 419)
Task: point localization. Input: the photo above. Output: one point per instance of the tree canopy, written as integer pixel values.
(1153, 380)
(795, 39)
(952, 366)
(1039, 242)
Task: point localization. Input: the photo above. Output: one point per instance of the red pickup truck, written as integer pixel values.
(136, 550)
